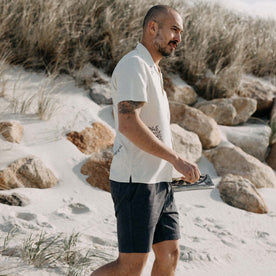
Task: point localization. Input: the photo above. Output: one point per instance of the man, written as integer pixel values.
(141, 169)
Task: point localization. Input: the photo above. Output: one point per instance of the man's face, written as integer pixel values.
(169, 33)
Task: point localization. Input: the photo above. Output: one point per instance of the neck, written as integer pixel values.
(156, 56)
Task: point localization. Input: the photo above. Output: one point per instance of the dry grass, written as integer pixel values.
(43, 250)
(64, 36)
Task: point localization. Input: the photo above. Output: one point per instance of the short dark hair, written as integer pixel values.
(154, 11)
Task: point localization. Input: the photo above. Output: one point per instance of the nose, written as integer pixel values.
(178, 37)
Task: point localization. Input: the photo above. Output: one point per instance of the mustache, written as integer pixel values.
(174, 42)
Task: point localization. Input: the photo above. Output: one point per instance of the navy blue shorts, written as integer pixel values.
(146, 214)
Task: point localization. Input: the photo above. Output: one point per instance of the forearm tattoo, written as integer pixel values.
(128, 107)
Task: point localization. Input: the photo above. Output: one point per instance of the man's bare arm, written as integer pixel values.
(131, 126)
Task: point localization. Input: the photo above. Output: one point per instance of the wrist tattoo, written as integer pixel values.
(128, 107)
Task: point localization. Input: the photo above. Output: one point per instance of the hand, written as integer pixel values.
(189, 170)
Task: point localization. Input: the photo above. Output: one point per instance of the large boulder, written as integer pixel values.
(233, 160)
(184, 94)
(262, 91)
(253, 139)
(27, 172)
(186, 143)
(196, 121)
(93, 139)
(12, 131)
(97, 168)
(231, 111)
(241, 193)
(179, 91)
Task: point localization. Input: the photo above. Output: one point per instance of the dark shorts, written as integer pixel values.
(146, 214)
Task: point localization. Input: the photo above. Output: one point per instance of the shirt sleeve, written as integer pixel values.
(131, 81)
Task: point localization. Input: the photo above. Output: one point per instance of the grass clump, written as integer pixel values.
(51, 251)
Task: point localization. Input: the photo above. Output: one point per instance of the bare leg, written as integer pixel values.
(127, 264)
(166, 258)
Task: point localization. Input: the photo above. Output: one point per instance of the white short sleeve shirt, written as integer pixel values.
(137, 78)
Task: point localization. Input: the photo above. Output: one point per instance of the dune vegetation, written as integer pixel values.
(63, 36)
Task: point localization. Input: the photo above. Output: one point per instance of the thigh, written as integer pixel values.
(167, 227)
(137, 209)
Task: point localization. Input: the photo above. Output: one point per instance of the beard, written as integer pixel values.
(165, 51)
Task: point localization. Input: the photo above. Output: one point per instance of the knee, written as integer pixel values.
(132, 266)
(169, 257)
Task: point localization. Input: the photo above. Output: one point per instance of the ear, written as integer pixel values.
(153, 27)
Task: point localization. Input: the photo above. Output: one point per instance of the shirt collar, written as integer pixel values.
(145, 54)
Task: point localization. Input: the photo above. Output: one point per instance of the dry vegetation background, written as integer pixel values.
(62, 36)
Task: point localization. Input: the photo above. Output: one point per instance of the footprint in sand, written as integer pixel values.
(188, 254)
(215, 228)
(199, 206)
(26, 216)
(265, 238)
(79, 208)
(66, 211)
(272, 214)
(29, 217)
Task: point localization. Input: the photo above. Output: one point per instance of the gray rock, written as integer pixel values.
(233, 160)
(231, 111)
(262, 91)
(101, 94)
(14, 199)
(254, 141)
(186, 143)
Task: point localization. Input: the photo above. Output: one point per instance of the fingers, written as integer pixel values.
(193, 173)
(189, 170)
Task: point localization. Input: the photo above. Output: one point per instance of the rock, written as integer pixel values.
(184, 94)
(97, 168)
(186, 143)
(11, 131)
(92, 139)
(27, 172)
(233, 160)
(178, 91)
(196, 121)
(101, 94)
(262, 91)
(14, 199)
(271, 158)
(232, 111)
(254, 140)
(241, 193)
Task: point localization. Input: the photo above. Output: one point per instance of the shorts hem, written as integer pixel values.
(171, 238)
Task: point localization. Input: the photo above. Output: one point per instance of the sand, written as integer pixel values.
(217, 239)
